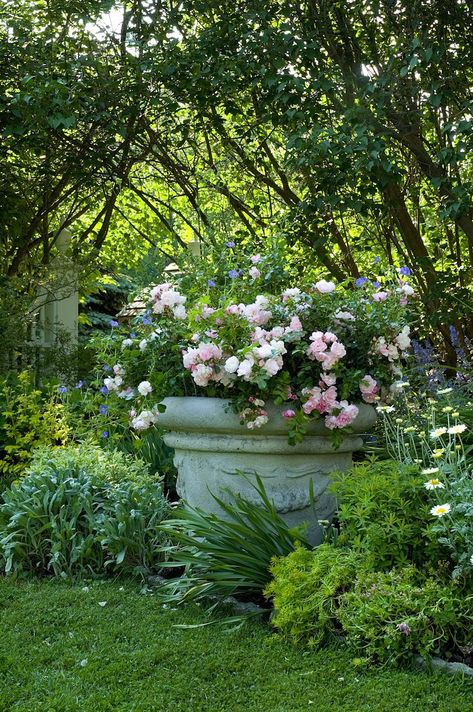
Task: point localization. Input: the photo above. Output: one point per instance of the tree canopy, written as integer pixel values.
(344, 126)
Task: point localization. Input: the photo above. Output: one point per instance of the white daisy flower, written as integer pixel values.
(440, 510)
(438, 432)
(433, 484)
(430, 471)
(457, 429)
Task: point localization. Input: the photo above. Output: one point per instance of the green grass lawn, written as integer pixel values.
(60, 650)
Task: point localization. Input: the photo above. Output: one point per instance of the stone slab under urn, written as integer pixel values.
(211, 447)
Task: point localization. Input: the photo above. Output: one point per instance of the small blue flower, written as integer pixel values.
(146, 320)
(405, 271)
(62, 389)
(79, 384)
(106, 367)
(376, 285)
(377, 259)
(132, 335)
(230, 244)
(361, 281)
(104, 434)
(233, 274)
(211, 283)
(113, 323)
(104, 390)
(103, 409)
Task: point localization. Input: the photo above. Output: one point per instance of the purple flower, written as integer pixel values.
(453, 335)
(233, 274)
(377, 259)
(405, 271)
(376, 285)
(104, 434)
(79, 384)
(146, 320)
(132, 335)
(403, 628)
(103, 409)
(62, 389)
(113, 323)
(211, 283)
(230, 244)
(361, 281)
(104, 390)
(106, 367)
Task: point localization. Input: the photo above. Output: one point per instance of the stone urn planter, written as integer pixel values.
(211, 447)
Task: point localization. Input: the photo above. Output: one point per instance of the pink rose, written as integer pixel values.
(380, 296)
(288, 414)
(295, 324)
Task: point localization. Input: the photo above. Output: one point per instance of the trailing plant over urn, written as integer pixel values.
(315, 349)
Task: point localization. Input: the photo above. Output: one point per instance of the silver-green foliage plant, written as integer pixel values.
(82, 512)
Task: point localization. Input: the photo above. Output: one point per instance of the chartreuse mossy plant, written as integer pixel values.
(306, 589)
(393, 615)
(383, 616)
(384, 514)
(29, 418)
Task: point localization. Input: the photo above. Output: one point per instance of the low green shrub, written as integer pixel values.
(306, 590)
(384, 514)
(80, 512)
(29, 419)
(393, 615)
(225, 557)
(105, 465)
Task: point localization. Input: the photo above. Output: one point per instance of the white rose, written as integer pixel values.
(145, 388)
(231, 364)
(180, 312)
(324, 287)
(245, 368)
(264, 351)
(271, 367)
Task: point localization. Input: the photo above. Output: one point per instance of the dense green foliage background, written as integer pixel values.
(344, 126)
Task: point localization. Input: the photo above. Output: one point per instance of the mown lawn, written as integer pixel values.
(60, 650)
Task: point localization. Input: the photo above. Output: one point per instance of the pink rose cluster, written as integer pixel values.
(323, 400)
(325, 348)
(369, 389)
(167, 299)
(204, 363)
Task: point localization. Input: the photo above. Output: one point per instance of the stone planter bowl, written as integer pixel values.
(211, 447)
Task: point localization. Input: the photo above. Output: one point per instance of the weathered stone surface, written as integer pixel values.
(212, 449)
(440, 664)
